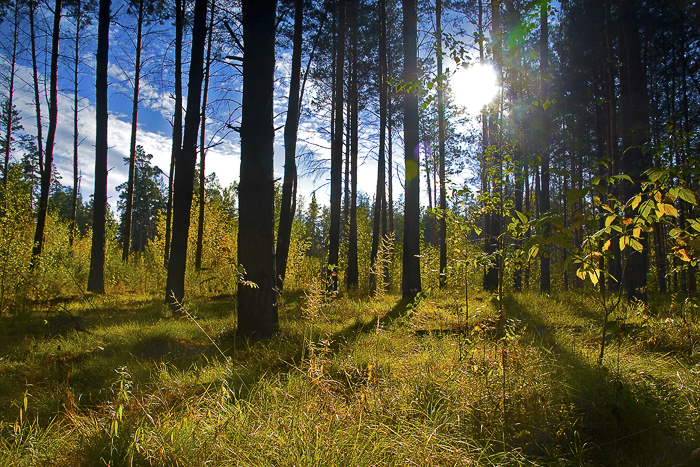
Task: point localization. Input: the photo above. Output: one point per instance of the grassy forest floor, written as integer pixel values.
(116, 380)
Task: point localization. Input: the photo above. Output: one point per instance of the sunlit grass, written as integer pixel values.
(349, 381)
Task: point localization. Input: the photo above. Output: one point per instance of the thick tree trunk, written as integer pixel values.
(50, 136)
(126, 245)
(184, 175)
(291, 127)
(634, 133)
(411, 282)
(96, 278)
(337, 154)
(202, 144)
(257, 307)
(177, 124)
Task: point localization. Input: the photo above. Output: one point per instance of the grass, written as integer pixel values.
(117, 380)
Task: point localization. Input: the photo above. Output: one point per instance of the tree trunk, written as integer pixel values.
(126, 245)
(96, 277)
(35, 78)
(202, 143)
(337, 155)
(291, 127)
(50, 137)
(184, 175)
(76, 62)
(177, 123)
(544, 190)
(381, 169)
(10, 95)
(257, 308)
(441, 147)
(411, 281)
(634, 133)
(353, 279)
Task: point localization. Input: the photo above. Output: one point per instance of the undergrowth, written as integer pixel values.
(349, 381)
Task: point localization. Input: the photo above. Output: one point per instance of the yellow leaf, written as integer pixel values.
(657, 196)
(627, 221)
(609, 220)
(606, 246)
(593, 276)
(581, 274)
(683, 255)
(670, 210)
(635, 202)
(637, 232)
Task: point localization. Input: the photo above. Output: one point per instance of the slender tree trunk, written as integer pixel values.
(126, 245)
(353, 279)
(96, 277)
(202, 144)
(35, 78)
(257, 308)
(177, 123)
(411, 281)
(76, 63)
(184, 175)
(50, 137)
(337, 155)
(381, 169)
(291, 127)
(544, 191)
(441, 147)
(10, 95)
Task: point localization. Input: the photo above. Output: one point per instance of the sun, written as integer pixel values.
(474, 87)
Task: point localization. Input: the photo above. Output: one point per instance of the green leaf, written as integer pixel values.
(521, 216)
(623, 177)
(655, 174)
(694, 224)
(675, 232)
(687, 196)
(595, 181)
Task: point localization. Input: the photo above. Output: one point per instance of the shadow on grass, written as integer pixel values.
(620, 420)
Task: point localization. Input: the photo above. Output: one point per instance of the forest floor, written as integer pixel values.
(116, 380)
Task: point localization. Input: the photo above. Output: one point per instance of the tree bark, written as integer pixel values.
(257, 308)
(184, 175)
(411, 281)
(10, 95)
(96, 277)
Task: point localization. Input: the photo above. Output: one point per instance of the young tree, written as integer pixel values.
(184, 175)
(96, 278)
(9, 112)
(257, 306)
(411, 283)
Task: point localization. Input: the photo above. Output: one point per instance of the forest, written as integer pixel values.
(349, 232)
